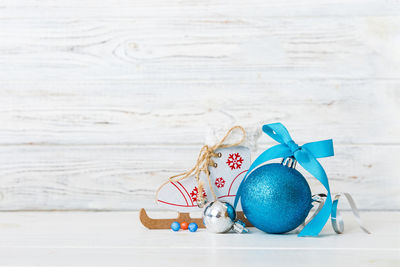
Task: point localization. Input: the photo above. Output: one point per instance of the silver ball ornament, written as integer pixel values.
(220, 217)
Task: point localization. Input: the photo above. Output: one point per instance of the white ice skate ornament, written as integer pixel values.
(230, 168)
(218, 171)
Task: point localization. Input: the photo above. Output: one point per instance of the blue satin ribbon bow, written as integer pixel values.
(306, 155)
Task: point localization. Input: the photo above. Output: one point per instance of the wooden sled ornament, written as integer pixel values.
(151, 223)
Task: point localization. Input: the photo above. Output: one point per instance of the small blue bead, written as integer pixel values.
(175, 226)
(193, 227)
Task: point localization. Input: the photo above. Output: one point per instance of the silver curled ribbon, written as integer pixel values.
(336, 217)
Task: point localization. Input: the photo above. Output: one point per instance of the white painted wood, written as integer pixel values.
(101, 100)
(117, 238)
(181, 113)
(126, 177)
(209, 47)
(256, 8)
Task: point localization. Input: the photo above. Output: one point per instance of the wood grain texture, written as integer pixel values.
(126, 177)
(181, 113)
(102, 101)
(118, 239)
(185, 48)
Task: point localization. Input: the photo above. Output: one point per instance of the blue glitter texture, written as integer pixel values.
(275, 198)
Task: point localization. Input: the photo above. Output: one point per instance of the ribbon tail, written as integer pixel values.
(320, 149)
(310, 164)
(320, 199)
(278, 151)
(278, 132)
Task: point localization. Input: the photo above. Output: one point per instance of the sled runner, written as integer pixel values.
(151, 223)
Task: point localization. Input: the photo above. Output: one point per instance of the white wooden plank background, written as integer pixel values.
(102, 101)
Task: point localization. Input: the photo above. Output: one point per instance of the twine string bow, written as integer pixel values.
(205, 160)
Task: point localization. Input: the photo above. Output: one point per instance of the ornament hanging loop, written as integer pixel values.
(290, 162)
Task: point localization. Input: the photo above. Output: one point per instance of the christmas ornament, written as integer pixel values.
(217, 174)
(193, 227)
(184, 225)
(276, 198)
(152, 223)
(220, 217)
(175, 226)
(306, 156)
(226, 166)
(229, 166)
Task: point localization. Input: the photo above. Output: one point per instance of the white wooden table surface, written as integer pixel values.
(118, 238)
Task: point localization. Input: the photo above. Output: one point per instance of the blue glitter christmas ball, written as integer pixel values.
(275, 198)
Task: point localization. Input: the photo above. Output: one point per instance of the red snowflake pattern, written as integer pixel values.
(194, 193)
(234, 161)
(220, 182)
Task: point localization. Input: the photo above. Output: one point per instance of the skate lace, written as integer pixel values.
(205, 160)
